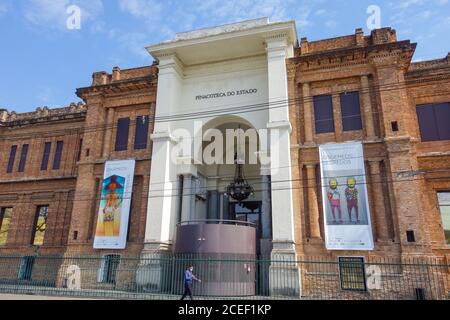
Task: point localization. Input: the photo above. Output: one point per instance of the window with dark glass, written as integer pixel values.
(323, 114)
(434, 121)
(123, 130)
(46, 156)
(247, 211)
(141, 136)
(23, 158)
(12, 158)
(58, 155)
(352, 274)
(351, 111)
(5, 221)
(108, 269)
(444, 206)
(40, 225)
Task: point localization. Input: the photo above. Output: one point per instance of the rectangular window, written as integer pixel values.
(410, 236)
(352, 274)
(444, 206)
(433, 121)
(26, 268)
(12, 158)
(58, 155)
(351, 111)
(442, 113)
(46, 156)
(23, 158)
(40, 225)
(108, 269)
(5, 221)
(323, 114)
(123, 130)
(141, 136)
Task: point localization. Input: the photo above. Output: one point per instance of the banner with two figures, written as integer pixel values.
(345, 198)
(115, 202)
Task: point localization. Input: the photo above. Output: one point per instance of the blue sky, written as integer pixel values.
(42, 62)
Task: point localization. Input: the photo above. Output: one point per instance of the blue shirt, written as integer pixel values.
(188, 276)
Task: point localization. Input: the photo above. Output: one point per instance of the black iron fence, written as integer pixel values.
(161, 277)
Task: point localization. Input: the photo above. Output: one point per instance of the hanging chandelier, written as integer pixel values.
(239, 189)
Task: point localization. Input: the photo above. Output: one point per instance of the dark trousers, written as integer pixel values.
(187, 290)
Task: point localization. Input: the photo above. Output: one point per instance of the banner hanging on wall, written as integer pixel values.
(115, 202)
(345, 199)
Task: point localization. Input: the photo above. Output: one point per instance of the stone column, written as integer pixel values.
(109, 125)
(266, 231)
(367, 108)
(308, 112)
(186, 214)
(280, 129)
(313, 206)
(161, 210)
(213, 205)
(278, 50)
(266, 219)
(162, 213)
(382, 227)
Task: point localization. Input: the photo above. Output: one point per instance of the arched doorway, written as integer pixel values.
(213, 223)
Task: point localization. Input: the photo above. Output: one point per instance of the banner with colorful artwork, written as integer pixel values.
(115, 202)
(345, 199)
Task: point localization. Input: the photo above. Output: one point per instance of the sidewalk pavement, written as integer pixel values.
(35, 297)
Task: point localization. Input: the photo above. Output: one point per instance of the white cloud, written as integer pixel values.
(141, 8)
(4, 7)
(52, 13)
(133, 42)
(320, 12)
(161, 20)
(405, 4)
(173, 16)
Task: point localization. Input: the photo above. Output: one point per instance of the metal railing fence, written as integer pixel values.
(161, 277)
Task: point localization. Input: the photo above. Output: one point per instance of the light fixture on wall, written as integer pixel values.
(239, 189)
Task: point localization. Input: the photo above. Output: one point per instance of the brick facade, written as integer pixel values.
(72, 192)
(378, 66)
(390, 87)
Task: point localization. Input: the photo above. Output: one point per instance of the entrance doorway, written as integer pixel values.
(248, 211)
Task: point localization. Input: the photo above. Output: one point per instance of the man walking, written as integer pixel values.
(188, 279)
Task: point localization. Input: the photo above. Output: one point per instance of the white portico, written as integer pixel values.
(216, 78)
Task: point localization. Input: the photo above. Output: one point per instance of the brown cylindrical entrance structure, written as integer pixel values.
(223, 254)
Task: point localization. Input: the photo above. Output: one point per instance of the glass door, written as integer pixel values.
(249, 211)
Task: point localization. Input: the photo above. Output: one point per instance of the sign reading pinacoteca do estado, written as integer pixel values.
(216, 95)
